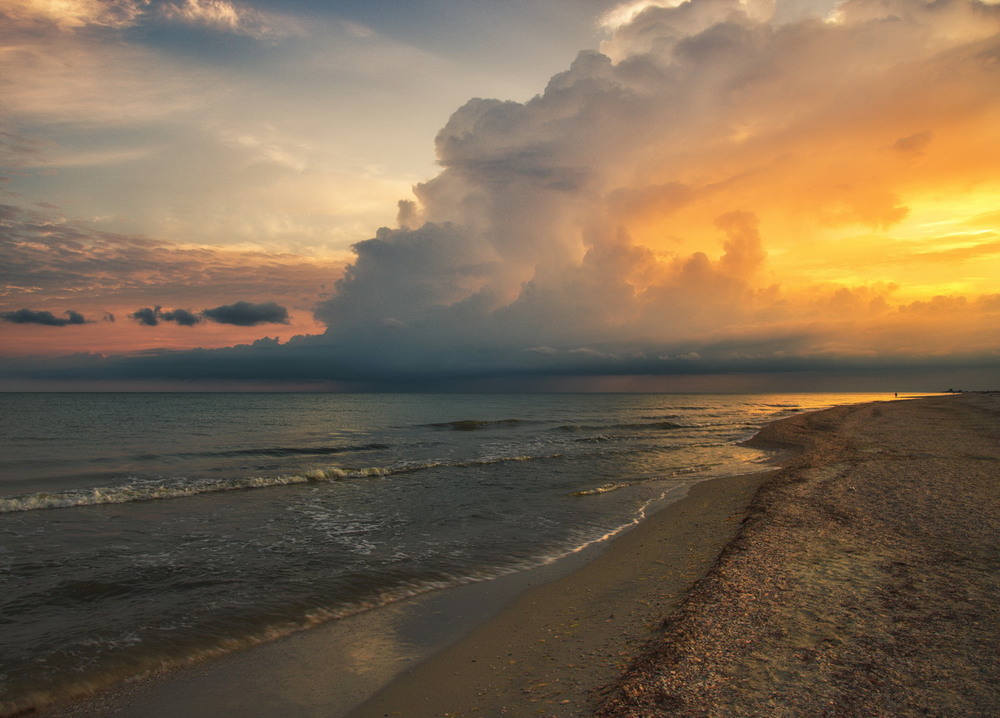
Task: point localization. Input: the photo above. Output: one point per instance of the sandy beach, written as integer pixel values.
(862, 582)
(859, 579)
(547, 651)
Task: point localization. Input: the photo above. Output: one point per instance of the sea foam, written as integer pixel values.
(148, 490)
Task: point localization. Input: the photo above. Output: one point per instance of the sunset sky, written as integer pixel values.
(722, 195)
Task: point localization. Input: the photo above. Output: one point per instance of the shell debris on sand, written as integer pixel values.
(863, 582)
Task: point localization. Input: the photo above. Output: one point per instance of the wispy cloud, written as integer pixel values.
(221, 15)
(43, 253)
(70, 14)
(229, 17)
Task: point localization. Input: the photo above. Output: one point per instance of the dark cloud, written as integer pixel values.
(147, 317)
(248, 314)
(152, 316)
(308, 360)
(241, 314)
(29, 316)
(182, 317)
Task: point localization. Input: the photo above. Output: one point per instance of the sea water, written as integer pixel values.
(140, 532)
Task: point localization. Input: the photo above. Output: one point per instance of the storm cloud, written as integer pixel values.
(690, 192)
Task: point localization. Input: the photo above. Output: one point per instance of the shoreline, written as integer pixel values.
(369, 662)
(777, 593)
(547, 650)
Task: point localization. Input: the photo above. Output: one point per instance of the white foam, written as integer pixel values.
(145, 490)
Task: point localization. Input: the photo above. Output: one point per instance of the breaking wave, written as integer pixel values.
(153, 490)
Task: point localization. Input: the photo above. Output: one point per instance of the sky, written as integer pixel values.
(584, 195)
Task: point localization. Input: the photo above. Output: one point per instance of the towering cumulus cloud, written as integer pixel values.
(713, 187)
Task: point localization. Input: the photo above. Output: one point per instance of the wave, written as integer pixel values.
(680, 473)
(296, 450)
(604, 489)
(154, 490)
(476, 424)
(633, 426)
(272, 451)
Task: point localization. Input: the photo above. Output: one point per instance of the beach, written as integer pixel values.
(857, 579)
(547, 644)
(863, 581)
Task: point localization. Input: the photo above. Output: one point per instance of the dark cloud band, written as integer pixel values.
(247, 314)
(48, 319)
(241, 314)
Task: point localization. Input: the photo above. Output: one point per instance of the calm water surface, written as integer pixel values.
(142, 531)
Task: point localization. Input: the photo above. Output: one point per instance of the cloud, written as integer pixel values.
(241, 314)
(147, 316)
(71, 14)
(713, 192)
(229, 17)
(29, 316)
(43, 253)
(183, 317)
(248, 314)
(211, 114)
(48, 261)
(152, 316)
(695, 187)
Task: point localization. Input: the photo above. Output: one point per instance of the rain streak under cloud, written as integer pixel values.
(717, 189)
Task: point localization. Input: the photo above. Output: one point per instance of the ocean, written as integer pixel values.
(140, 532)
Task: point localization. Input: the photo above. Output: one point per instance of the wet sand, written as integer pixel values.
(547, 651)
